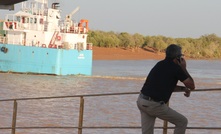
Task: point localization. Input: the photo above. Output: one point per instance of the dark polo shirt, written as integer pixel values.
(162, 80)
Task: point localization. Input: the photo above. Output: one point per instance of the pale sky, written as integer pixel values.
(170, 18)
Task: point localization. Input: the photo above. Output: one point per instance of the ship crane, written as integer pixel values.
(69, 16)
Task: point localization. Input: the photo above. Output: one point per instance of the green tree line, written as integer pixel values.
(207, 46)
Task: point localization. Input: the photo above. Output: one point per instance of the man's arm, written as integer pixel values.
(180, 88)
(189, 82)
(183, 89)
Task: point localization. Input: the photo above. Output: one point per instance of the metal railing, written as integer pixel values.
(80, 126)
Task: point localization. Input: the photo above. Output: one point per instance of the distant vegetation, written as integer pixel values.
(207, 46)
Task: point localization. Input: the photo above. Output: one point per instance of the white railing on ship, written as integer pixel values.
(80, 126)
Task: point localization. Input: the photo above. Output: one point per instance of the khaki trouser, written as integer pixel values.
(150, 110)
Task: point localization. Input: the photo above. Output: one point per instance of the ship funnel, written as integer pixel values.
(55, 5)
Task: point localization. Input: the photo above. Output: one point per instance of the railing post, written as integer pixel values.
(165, 124)
(14, 117)
(81, 113)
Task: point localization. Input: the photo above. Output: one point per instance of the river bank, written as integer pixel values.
(101, 53)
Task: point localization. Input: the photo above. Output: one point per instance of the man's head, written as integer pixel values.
(173, 51)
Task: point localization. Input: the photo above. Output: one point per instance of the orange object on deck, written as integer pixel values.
(86, 23)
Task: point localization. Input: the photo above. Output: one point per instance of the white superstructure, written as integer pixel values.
(38, 25)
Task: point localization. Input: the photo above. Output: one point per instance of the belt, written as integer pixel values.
(149, 98)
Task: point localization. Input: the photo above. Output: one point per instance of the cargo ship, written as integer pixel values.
(36, 40)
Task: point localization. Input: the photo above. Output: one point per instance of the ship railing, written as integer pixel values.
(15, 22)
(16, 25)
(80, 126)
(11, 23)
(74, 29)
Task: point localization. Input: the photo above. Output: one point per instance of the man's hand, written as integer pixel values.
(187, 92)
(182, 63)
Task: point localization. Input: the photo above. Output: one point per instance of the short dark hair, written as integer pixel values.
(173, 51)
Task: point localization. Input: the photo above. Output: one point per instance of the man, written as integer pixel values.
(158, 87)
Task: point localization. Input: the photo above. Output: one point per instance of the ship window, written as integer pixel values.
(31, 20)
(23, 19)
(18, 18)
(41, 21)
(26, 20)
